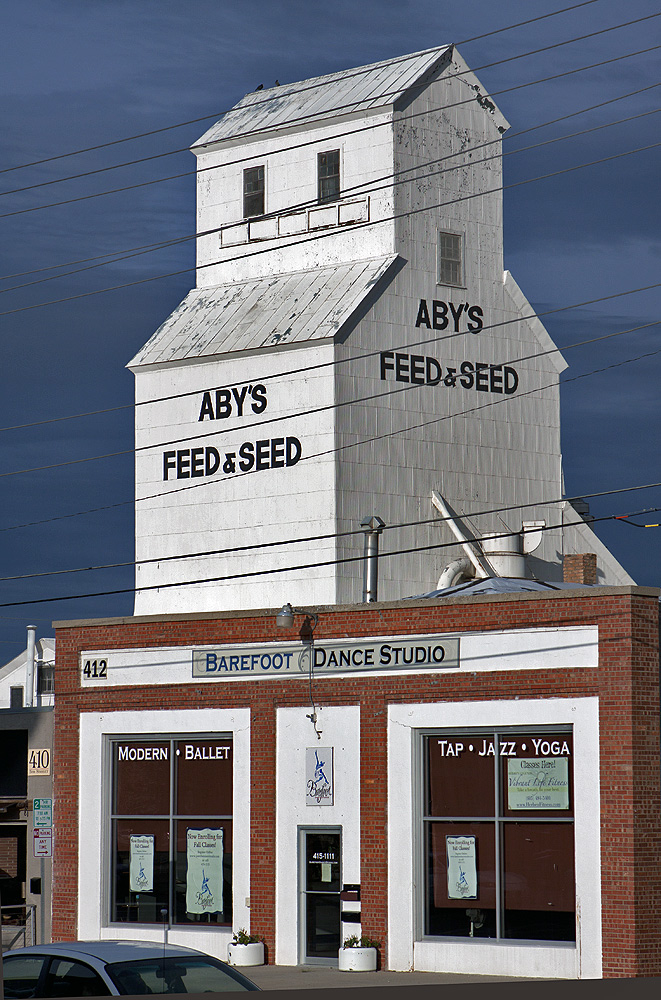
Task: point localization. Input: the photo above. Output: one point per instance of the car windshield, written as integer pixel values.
(184, 974)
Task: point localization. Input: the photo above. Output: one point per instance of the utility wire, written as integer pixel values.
(283, 149)
(354, 228)
(165, 244)
(298, 145)
(269, 97)
(273, 571)
(349, 402)
(339, 449)
(370, 187)
(336, 535)
(336, 362)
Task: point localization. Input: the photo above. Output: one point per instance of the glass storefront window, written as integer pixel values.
(499, 834)
(171, 835)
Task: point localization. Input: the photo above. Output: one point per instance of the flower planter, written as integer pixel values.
(246, 954)
(357, 959)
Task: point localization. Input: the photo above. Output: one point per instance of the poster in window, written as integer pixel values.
(538, 783)
(141, 863)
(204, 874)
(319, 776)
(462, 867)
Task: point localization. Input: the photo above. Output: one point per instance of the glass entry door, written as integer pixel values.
(320, 866)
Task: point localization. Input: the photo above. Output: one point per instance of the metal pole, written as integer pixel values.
(372, 526)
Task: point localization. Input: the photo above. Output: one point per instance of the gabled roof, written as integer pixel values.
(263, 312)
(378, 85)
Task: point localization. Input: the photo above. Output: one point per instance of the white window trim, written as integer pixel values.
(462, 237)
(93, 819)
(405, 889)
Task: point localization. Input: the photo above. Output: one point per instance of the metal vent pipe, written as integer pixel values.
(372, 526)
(30, 666)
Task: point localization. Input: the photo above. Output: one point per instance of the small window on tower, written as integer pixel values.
(450, 259)
(253, 192)
(328, 176)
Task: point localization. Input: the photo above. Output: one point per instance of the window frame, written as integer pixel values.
(502, 816)
(252, 194)
(335, 195)
(442, 279)
(173, 818)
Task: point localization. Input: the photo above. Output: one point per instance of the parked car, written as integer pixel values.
(115, 968)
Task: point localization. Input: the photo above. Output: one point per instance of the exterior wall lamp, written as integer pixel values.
(285, 619)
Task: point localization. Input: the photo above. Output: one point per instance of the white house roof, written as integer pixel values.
(375, 86)
(263, 312)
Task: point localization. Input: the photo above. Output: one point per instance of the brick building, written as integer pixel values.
(472, 779)
(475, 779)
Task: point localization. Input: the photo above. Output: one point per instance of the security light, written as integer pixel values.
(285, 618)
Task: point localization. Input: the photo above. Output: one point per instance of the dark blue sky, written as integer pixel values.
(76, 74)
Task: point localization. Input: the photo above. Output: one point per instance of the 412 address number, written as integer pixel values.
(95, 669)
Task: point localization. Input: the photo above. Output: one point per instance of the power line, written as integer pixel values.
(274, 571)
(165, 244)
(331, 406)
(354, 228)
(365, 187)
(335, 535)
(298, 145)
(266, 99)
(426, 423)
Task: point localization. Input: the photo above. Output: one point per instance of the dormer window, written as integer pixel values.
(253, 192)
(328, 176)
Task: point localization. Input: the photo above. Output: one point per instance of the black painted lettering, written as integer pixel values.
(466, 369)
(258, 404)
(387, 365)
(246, 456)
(293, 451)
(239, 399)
(262, 450)
(277, 453)
(223, 403)
(206, 410)
(211, 461)
(183, 463)
(511, 380)
(456, 314)
(475, 315)
(402, 367)
(481, 376)
(418, 369)
(433, 371)
(496, 378)
(440, 315)
(423, 315)
(168, 462)
(197, 463)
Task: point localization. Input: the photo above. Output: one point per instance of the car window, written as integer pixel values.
(68, 978)
(21, 975)
(176, 975)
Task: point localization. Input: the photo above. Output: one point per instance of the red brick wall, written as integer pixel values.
(626, 682)
(581, 568)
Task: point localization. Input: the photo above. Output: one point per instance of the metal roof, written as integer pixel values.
(375, 86)
(263, 312)
(500, 585)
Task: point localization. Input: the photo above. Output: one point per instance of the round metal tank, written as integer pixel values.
(505, 554)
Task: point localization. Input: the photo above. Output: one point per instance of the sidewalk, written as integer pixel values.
(314, 977)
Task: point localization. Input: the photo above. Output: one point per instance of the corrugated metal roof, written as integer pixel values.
(263, 312)
(374, 86)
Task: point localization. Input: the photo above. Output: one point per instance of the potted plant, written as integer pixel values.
(245, 949)
(358, 954)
